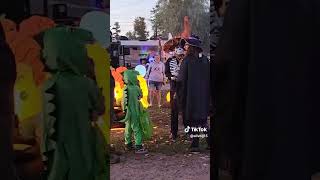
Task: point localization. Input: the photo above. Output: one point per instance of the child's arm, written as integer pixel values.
(96, 100)
(148, 71)
(167, 69)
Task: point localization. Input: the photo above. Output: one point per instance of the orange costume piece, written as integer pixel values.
(27, 52)
(187, 28)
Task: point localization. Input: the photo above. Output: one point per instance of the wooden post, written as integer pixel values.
(160, 48)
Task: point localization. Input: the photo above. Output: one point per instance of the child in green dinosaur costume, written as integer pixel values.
(137, 119)
(73, 146)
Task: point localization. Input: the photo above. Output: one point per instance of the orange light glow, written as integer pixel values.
(117, 129)
(118, 93)
(119, 85)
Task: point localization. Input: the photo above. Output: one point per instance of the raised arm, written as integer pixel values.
(167, 69)
(148, 71)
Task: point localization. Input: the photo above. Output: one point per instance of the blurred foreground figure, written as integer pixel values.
(266, 91)
(7, 80)
(73, 145)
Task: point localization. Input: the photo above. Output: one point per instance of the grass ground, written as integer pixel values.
(165, 160)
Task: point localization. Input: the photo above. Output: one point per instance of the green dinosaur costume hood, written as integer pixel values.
(137, 118)
(130, 77)
(71, 146)
(64, 49)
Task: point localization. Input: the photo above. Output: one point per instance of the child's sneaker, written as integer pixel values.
(129, 147)
(140, 150)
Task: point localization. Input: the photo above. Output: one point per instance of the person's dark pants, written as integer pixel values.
(195, 140)
(175, 114)
(7, 168)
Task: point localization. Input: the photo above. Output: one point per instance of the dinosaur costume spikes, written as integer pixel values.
(137, 118)
(73, 148)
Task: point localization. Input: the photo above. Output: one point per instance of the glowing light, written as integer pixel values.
(168, 96)
(117, 77)
(118, 93)
(96, 22)
(117, 129)
(144, 48)
(141, 69)
(144, 89)
(151, 59)
(118, 89)
(119, 84)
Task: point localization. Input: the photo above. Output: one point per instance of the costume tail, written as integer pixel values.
(146, 124)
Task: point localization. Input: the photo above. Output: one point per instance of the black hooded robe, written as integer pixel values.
(194, 90)
(267, 90)
(7, 80)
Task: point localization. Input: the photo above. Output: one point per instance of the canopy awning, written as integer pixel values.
(141, 43)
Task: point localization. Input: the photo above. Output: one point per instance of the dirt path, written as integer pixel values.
(166, 160)
(159, 166)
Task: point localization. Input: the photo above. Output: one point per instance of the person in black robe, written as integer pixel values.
(267, 94)
(194, 90)
(7, 80)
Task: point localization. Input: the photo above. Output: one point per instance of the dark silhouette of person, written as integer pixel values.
(266, 70)
(193, 90)
(7, 80)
